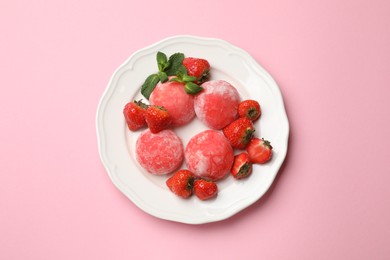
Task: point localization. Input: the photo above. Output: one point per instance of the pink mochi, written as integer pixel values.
(217, 105)
(209, 155)
(173, 97)
(160, 153)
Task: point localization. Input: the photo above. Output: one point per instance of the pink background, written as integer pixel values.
(331, 199)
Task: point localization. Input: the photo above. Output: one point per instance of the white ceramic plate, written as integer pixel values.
(149, 192)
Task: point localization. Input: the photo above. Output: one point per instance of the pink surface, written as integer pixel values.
(331, 199)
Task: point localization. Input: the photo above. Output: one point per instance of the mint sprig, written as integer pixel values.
(189, 86)
(149, 85)
(175, 62)
(166, 67)
(172, 66)
(162, 61)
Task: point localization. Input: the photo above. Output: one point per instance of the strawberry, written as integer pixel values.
(198, 68)
(239, 132)
(157, 118)
(250, 109)
(259, 150)
(204, 189)
(181, 183)
(242, 166)
(134, 113)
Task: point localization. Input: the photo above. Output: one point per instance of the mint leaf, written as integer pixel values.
(175, 79)
(187, 78)
(175, 62)
(149, 85)
(168, 67)
(181, 72)
(162, 76)
(192, 89)
(162, 61)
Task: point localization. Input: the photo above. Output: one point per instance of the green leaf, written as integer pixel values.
(175, 62)
(181, 72)
(162, 76)
(192, 89)
(161, 57)
(162, 61)
(149, 85)
(175, 79)
(187, 78)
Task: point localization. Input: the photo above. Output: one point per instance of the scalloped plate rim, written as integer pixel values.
(110, 166)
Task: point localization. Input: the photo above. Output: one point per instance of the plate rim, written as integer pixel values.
(101, 138)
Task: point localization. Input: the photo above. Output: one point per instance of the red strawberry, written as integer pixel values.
(259, 150)
(239, 132)
(134, 113)
(181, 183)
(204, 189)
(157, 118)
(242, 166)
(198, 68)
(250, 109)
